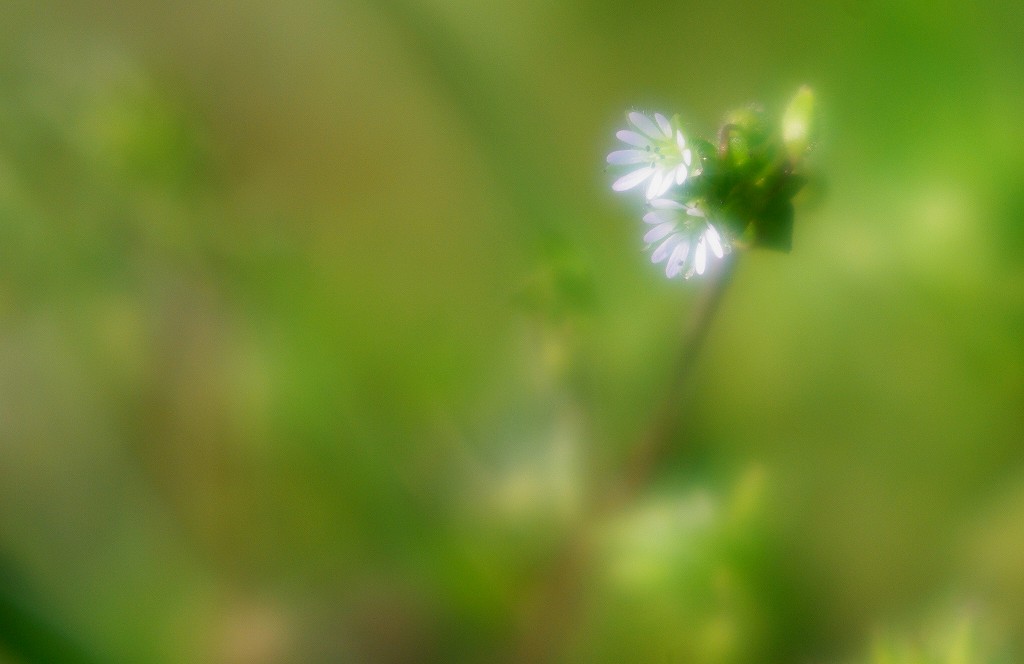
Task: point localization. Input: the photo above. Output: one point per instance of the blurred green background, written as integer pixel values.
(320, 330)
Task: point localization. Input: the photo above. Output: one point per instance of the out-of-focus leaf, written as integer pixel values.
(775, 227)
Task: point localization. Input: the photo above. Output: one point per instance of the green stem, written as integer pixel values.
(668, 422)
(554, 606)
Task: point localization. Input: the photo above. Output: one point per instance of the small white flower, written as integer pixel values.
(683, 236)
(658, 150)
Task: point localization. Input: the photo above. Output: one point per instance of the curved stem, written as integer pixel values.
(555, 604)
(667, 422)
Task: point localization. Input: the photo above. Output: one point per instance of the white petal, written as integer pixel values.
(694, 211)
(700, 257)
(658, 232)
(666, 183)
(663, 124)
(658, 218)
(665, 247)
(644, 124)
(714, 241)
(681, 174)
(631, 180)
(676, 260)
(629, 156)
(654, 188)
(665, 204)
(687, 156)
(680, 140)
(633, 138)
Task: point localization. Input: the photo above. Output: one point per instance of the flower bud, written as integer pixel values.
(797, 123)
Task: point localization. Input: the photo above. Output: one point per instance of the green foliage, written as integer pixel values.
(959, 638)
(749, 181)
(682, 564)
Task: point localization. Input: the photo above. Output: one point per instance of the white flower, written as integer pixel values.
(658, 149)
(684, 237)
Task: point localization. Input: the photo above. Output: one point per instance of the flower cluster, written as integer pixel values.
(682, 236)
(703, 200)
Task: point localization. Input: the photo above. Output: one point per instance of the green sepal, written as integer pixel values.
(791, 185)
(702, 149)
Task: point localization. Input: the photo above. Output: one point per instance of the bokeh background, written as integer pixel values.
(321, 330)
